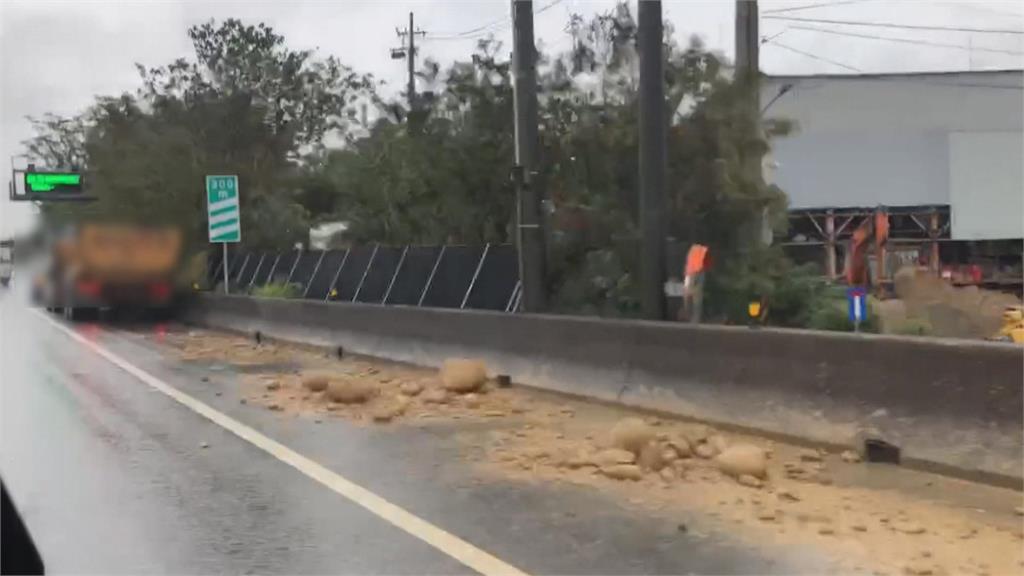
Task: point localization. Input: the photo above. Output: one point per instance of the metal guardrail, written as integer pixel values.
(474, 277)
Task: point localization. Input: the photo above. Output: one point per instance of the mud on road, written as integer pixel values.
(873, 518)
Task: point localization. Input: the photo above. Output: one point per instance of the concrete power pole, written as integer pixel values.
(409, 52)
(748, 68)
(529, 224)
(653, 159)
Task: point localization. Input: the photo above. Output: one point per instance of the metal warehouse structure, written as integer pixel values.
(940, 153)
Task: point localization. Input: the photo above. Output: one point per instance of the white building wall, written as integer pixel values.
(904, 140)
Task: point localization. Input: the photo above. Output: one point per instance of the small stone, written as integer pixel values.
(705, 451)
(243, 401)
(907, 527)
(631, 434)
(275, 407)
(494, 413)
(275, 385)
(849, 456)
(1019, 510)
(743, 459)
(205, 379)
(810, 455)
(749, 481)
(317, 421)
(613, 456)
(435, 396)
(218, 393)
(766, 515)
(787, 496)
(650, 457)
(462, 375)
(858, 528)
(471, 400)
(826, 530)
(623, 472)
(918, 569)
(926, 554)
(410, 388)
(681, 528)
(667, 474)
(968, 533)
(204, 445)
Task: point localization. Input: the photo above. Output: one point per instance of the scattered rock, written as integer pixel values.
(205, 379)
(667, 474)
(331, 407)
(317, 421)
(810, 455)
(275, 407)
(463, 375)
(494, 413)
(218, 393)
(623, 472)
(411, 388)
(243, 401)
(204, 445)
(390, 410)
(849, 456)
(918, 569)
(435, 396)
(650, 457)
(681, 528)
(766, 515)
(275, 385)
(631, 434)
(681, 446)
(349, 391)
(613, 456)
(749, 481)
(787, 496)
(907, 527)
(743, 459)
(718, 442)
(315, 381)
(705, 451)
(1019, 510)
(968, 533)
(669, 454)
(858, 527)
(826, 530)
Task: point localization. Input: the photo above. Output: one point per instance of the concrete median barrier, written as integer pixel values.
(951, 405)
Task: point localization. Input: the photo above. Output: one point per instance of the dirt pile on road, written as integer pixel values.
(754, 487)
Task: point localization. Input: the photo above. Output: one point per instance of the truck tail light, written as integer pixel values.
(90, 288)
(160, 291)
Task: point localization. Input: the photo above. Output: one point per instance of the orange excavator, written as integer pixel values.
(876, 228)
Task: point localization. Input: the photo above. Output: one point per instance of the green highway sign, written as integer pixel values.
(36, 182)
(222, 209)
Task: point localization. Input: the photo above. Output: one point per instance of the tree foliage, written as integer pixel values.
(439, 172)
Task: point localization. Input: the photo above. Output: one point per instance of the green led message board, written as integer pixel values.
(42, 182)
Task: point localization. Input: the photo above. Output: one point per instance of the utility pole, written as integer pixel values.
(748, 68)
(529, 192)
(408, 51)
(653, 159)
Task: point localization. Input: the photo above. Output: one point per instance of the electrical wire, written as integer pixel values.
(894, 25)
(490, 27)
(813, 56)
(810, 6)
(901, 40)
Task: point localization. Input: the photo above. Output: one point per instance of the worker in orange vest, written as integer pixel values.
(693, 283)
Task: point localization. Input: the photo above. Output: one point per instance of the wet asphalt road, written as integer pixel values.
(110, 478)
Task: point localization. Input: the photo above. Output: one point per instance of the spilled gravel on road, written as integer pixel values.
(874, 519)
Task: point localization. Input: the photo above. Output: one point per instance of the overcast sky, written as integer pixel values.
(55, 56)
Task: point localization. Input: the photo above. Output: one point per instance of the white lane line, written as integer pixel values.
(444, 541)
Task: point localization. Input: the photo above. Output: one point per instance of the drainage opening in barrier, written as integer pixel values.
(340, 352)
(503, 380)
(881, 451)
(258, 337)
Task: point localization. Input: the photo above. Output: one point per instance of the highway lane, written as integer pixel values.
(112, 477)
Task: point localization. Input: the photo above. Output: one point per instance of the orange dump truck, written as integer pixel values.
(103, 266)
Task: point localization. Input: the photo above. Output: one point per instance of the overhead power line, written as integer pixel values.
(490, 27)
(903, 40)
(810, 6)
(813, 56)
(894, 25)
